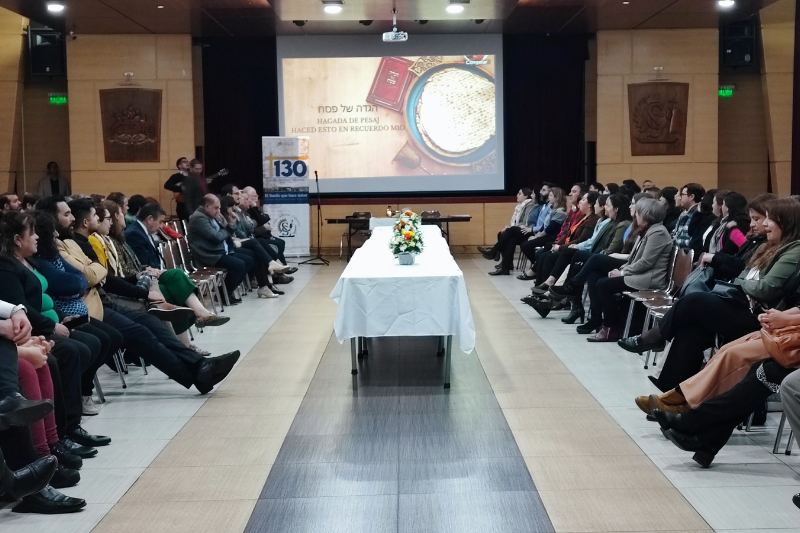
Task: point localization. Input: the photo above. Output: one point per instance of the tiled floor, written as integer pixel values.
(747, 488)
(538, 433)
(392, 450)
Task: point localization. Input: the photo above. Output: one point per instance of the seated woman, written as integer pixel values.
(174, 286)
(716, 410)
(522, 210)
(556, 261)
(646, 268)
(66, 286)
(579, 229)
(727, 266)
(733, 225)
(673, 211)
(695, 322)
(557, 215)
(611, 242)
(727, 368)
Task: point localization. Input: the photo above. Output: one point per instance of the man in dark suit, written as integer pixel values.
(139, 236)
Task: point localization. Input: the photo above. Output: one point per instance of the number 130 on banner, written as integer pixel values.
(287, 168)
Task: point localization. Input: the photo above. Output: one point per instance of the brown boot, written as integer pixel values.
(642, 402)
(655, 402)
(672, 397)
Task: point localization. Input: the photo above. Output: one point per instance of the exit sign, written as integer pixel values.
(726, 91)
(58, 98)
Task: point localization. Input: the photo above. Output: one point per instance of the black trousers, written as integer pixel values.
(16, 445)
(238, 264)
(73, 356)
(714, 420)
(9, 380)
(280, 244)
(529, 248)
(606, 290)
(506, 245)
(110, 341)
(596, 268)
(149, 338)
(693, 324)
(555, 263)
(579, 259)
(6, 476)
(260, 261)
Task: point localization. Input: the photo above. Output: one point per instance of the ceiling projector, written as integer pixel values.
(395, 36)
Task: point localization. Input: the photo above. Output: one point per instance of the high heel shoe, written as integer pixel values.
(576, 312)
(591, 325)
(264, 292)
(543, 306)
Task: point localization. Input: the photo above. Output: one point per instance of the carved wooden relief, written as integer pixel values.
(657, 113)
(131, 125)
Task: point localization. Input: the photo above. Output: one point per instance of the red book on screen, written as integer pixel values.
(390, 83)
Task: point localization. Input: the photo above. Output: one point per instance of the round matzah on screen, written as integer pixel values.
(456, 112)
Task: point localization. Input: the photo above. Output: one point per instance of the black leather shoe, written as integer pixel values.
(65, 457)
(49, 501)
(690, 443)
(81, 436)
(487, 253)
(212, 370)
(33, 478)
(16, 410)
(275, 289)
(525, 277)
(562, 292)
(591, 325)
(290, 271)
(668, 420)
(500, 272)
(74, 448)
(65, 478)
(543, 306)
(282, 279)
(637, 345)
(796, 500)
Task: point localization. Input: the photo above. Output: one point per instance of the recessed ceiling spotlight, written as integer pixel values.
(456, 6)
(333, 7)
(726, 3)
(160, 7)
(55, 7)
(625, 3)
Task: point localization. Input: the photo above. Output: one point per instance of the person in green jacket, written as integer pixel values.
(697, 321)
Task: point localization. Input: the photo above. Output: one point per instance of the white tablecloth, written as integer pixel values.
(378, 297)
(377, 222)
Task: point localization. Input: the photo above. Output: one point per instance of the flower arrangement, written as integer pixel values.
(406, 237)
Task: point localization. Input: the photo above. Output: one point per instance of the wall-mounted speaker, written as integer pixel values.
(46, 52)
(739, 44)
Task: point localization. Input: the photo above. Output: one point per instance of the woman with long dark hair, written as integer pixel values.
(696, 320)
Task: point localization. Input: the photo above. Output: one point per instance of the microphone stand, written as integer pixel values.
(317, 259)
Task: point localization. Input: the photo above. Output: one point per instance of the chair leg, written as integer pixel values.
(789, 444)
(629, 320)
(749, 422)
(781, 425)
(119, 359)
(144, 365)
(649, 352)
(99, 389)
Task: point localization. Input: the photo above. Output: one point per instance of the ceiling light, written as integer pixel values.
(332, 6)
(625, 3)
(454, 9)
(726, 3)
(160, 7)
(55, 7)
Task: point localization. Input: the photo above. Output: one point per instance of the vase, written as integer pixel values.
(406, 258)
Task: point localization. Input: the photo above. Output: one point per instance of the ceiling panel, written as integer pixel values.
(270, 17)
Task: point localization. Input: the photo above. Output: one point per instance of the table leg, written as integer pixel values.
(440, 348)
(363, 351)
(447, 232)
(447, 361)
(353, 342)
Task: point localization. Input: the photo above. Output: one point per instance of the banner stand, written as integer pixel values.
(285, 200)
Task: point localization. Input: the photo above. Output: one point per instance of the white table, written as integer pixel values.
(378, 297)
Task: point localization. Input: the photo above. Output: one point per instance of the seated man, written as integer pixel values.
(148, 335)
(790, 398)
(212, 246)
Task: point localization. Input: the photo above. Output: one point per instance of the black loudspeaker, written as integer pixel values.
(46, 52)
(739, 44)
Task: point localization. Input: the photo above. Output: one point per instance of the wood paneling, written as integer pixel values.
(688, 56)
(11, 40)
(158, 62)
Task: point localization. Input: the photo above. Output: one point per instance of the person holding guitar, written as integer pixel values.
(189, 186)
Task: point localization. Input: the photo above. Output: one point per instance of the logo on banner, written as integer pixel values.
(287, 225)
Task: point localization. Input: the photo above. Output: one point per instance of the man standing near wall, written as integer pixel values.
(175, 184)
(53, 183)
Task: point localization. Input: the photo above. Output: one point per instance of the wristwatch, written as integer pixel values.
(16, 308)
